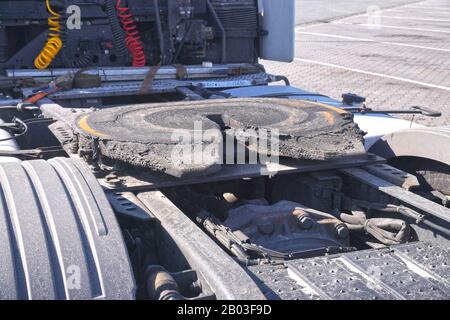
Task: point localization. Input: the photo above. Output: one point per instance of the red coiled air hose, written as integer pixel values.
(132, 39)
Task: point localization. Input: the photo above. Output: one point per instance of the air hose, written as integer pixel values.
(54, 42)
(83, 61)
(387, 231)
(132, 37)
(116, 29)
(17, 126)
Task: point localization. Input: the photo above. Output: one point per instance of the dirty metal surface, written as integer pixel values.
(395, 176)
(403, 278)
(114, 74)
(128, 205)
(399, 193)
(411, 271)
(432, 259)
(147, 135)
(287, 227)
(121, 88)
(134, 178)
(275, 283)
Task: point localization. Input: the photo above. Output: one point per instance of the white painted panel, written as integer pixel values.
(279, 21)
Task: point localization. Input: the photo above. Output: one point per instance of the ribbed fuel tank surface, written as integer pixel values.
(59, 236)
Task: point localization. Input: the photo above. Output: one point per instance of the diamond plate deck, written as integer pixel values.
(412, 271)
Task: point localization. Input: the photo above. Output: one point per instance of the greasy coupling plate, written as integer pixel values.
(160, 136)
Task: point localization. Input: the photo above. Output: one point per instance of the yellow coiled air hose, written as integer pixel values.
(54, 42)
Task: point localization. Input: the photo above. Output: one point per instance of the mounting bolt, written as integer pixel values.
(342, 231)
(303, 219)
(305, 222)
(112, 180)
(196, 287)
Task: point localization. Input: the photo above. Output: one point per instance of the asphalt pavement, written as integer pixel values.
(395, 53)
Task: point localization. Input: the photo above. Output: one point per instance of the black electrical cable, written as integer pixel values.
(20, 124)
(83, 61)
(183, 41)
(116, 29)
(283, 78)
(160, 31)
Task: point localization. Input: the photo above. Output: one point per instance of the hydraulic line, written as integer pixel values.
(405, 211)
(17, 125)
(132, 37)
(54, 42)
(385, 230)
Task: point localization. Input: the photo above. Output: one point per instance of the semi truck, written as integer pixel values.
(146, 153)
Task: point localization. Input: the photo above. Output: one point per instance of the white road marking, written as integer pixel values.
(421, 8)
(311, 25)
(426, 8)
(386, 9)
(435, 14)
(396, 17)
(425, 5)
(371, 40)
(376, 74)
(391, 27)
(412, 18)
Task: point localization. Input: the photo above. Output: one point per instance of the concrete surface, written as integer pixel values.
(396, 57)
(310, 11)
